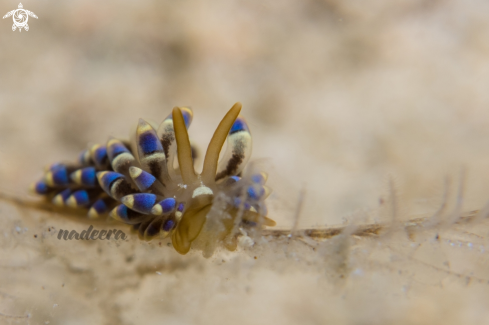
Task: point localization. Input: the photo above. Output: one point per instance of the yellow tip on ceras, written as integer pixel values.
(128, 157)
(113, 214)
(143, 126)
(71, 202)
(100, 175)
(135, 172)
(95, 147)
(77, 177)
(112, 141)
(93, 214)
(48, 178)
(48, 167)
(157, 210)
(128, 201)
(58, 200)
(188, 110)
(178, 215)
(86, 157)
(32, 188)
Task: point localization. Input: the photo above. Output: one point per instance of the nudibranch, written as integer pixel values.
(138, 183)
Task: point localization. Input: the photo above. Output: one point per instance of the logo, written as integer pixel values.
(20, 16)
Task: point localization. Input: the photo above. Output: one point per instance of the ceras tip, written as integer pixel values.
(99, 208)
(39, 187)
(85, 176)
(164, 207)
(98, 153)
(60, 199)
(78, 199)
(142, 179)
(57, 176)
(140, 202)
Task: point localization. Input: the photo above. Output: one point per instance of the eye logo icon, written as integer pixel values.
(20, 16)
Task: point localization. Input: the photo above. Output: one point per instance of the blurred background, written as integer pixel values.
(340, 97)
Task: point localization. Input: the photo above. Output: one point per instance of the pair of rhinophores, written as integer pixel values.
(138, 184)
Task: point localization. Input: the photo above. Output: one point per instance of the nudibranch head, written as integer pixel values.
(159, 199)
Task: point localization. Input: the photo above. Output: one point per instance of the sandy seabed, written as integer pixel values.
(375, 109)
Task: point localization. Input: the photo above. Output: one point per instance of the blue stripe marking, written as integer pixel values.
(60, 175)
(121, 211)
(100, 206)
(143, 202)
(149, 143)
(255, 192)
(81, 197)
(116, 149)
(88, 176)
(41, 187)
(100, 155)
(144, 180)
(65, 194)
(237, 204)
(168, 205)
(55, 166)
(186, 118)
(180, 207)
(127, 215)
(258, 179)
(168, 225)
(108, 179)
(238, 126)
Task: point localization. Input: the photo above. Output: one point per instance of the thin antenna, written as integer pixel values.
(437, 216)
(393, 199)
(298, 210)
(457, 211)
(14, 316)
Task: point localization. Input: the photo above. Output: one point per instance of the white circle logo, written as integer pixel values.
(20, 17)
